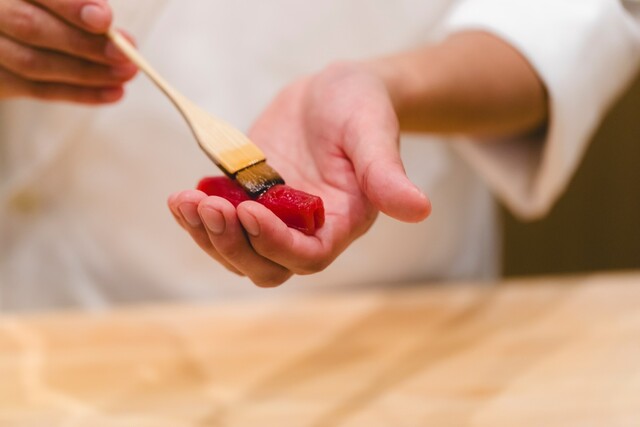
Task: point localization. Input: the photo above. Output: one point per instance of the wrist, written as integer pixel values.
(471, 83)
(409, 77)
(417, 85)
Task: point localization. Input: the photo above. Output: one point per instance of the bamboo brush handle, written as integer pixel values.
(229, 148)
(132, 53)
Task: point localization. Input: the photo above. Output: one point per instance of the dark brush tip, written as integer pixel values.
(257, 178)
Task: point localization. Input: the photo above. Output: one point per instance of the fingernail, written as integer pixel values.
(172, 197)
(250, 223)
(190, 214)
(214, 220)
(95, 17)
(111, 51)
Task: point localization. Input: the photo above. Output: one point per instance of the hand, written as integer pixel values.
(334, 135)
(56, 50)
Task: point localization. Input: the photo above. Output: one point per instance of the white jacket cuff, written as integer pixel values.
(586, 52)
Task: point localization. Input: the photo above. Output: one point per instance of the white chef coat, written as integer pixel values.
(83, 216)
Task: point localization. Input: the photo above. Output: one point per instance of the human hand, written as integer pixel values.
(334, 135)
(57, 50)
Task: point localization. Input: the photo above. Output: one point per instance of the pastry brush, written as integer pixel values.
(226, 146)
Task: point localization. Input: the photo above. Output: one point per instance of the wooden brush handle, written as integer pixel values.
(132, 53)
(229, 148)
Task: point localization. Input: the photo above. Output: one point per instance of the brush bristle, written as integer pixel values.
(258, 178)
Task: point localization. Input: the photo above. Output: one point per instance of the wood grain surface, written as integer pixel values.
(544, 352)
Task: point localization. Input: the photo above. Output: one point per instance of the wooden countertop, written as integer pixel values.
(544, 352)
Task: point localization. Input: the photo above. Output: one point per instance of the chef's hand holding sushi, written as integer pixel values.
(56, 50)
(335, 134)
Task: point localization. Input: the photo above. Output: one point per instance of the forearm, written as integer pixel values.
(471, 83)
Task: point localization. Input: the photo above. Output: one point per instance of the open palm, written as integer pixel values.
(335, 135)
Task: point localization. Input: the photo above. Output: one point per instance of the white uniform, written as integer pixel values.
(83, 216)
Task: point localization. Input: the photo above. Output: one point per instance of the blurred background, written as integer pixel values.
(596, 224)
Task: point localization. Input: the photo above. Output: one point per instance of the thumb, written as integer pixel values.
(381, 175)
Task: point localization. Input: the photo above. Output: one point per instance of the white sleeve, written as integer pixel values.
(586, 52)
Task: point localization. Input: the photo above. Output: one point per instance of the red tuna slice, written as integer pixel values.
(223, 187)
(297, 209)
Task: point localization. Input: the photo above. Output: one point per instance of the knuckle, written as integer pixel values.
(231, 268)
(25, 25)
(28, 62)
(230, 251)
(271, 280)
(84, 44)
(366, 178)
(266, 251)
(313, 266)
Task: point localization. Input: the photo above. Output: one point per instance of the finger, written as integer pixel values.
(184, 207)
(273, 240)
(173, 208)
(113, 52)
(91, 15)
(372, 145)
(47, 66)
(228, 237)
(12, 86)
(34, 26)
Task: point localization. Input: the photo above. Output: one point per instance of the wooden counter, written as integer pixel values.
(540, 353)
